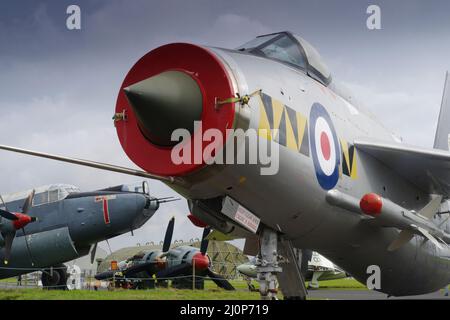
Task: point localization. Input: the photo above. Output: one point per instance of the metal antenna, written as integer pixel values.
(109, 247)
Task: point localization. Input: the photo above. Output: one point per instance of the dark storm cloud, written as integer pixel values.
(58, 87)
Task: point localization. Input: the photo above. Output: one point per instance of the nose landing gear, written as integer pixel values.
(267, 265)
(269, 270)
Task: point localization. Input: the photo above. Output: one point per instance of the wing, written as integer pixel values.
(89, 163)
(428, 169)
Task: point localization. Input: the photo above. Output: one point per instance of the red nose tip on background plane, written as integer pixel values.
(200, 261)
(22, 220)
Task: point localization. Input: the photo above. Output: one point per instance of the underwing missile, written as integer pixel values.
(385, 213)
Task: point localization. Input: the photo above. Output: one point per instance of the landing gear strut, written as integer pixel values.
(267, 266)
(314, 283)
(286, 267)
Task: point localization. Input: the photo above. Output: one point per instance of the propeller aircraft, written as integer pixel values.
(184, 265)
(42, 229)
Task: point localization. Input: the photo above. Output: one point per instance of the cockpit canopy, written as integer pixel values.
(292, 50)
(43, 195)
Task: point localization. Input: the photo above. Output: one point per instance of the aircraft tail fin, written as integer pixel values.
(442, 137)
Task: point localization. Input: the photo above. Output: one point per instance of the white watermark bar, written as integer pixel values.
(236, 147)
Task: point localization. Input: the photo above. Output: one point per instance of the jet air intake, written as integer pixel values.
(172, 87)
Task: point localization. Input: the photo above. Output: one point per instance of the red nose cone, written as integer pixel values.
(371, 204)
(201, 261)
(22, 221)
(196, 221)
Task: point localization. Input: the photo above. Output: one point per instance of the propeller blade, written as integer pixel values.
(28, 246)
(220, 281)
(168, 236)
(8, 215)
(9, 238)
(28, 202)
(205, 241)
(93, 251)
(180, 269)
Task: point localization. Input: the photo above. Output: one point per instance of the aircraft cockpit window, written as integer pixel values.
(279, 46)
(40, 198)
(53, 195)
(317, 69)
(286, 50)
(290, 49)
(256, 42)
(70, 189)
(65, 191)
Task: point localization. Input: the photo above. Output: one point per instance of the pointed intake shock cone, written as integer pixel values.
(163, 103)
(168, 88)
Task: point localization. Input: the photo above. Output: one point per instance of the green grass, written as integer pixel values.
(211, 292)
(346, 283)
(120, 294)
(9, 280)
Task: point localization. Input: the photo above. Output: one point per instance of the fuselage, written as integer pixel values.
(318, 263)
(300, 209)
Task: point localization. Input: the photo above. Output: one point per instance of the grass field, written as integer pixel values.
(211, 292)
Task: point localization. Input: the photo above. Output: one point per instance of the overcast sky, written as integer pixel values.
(58, 87)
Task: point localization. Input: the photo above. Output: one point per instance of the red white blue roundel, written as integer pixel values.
(324, 147)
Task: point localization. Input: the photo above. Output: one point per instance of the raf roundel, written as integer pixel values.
(324, 147)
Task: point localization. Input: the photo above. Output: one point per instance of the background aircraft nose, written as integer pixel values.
(165, 102)
(145, 208)
(201, 261)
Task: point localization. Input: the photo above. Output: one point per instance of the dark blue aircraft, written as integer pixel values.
(43, 228)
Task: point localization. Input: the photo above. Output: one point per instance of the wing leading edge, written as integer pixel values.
(428, 169)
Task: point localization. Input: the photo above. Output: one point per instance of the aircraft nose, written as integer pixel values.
(169, 88)
(145, 209)
(165, 102)
(151, 204)
(201, 261)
